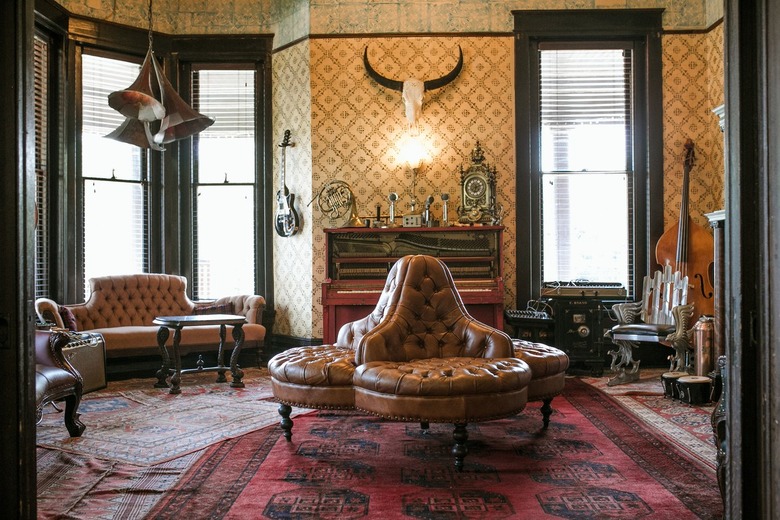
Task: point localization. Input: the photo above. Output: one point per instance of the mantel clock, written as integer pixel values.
(478, 192)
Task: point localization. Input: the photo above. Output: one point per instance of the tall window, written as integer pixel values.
(114, 177)
(589, 146)
(586, 163)
(224, 180)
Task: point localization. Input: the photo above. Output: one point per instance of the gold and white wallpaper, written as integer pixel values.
(693, 86)
(293, 256)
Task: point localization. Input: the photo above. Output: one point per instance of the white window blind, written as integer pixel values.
(586, 161)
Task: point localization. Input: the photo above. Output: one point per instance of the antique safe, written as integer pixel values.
(360, 258)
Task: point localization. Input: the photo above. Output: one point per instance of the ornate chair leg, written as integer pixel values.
(626, 355)
(460, 449)
(286, 423)
(547, 411)
(72, 423)
(424, 427)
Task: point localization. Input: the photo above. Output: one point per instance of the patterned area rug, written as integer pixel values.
(596, 461)
(687, 426)
(75, 485)
(135, 423)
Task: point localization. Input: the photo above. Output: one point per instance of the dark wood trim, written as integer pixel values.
(752, 247)
(641, 28)
(17, 355)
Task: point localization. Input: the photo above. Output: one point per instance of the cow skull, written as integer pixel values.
(412, 90)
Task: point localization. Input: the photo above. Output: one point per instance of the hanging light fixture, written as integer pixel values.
(152, 98)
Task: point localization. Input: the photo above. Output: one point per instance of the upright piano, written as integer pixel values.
(359, 259)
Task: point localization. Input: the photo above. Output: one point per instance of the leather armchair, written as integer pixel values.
(56, 379)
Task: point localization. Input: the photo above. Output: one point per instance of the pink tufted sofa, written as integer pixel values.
(122, 309)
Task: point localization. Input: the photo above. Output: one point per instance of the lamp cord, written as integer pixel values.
(150, 23)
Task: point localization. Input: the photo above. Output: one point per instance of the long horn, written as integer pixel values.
(438, 83)
(139, 100)
(181, 120)
(385, 82)
(136, 132)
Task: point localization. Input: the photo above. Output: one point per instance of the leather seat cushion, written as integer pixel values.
(544, 360)
(443, 389)
(51, 382)
(314, 377)
(649, 329)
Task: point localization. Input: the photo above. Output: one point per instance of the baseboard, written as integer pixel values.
(277, 343)
(121, 368)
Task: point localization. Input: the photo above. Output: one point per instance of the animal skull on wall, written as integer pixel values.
(412, 90)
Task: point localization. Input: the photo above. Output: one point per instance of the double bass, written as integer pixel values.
(689, 248)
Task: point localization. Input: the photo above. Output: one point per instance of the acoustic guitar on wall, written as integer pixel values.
(286, 221)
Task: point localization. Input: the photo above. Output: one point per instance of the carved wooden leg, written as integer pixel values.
(460, 449)
(547, 411)
(424, 427)
(72, 423)
(238, 374)
(221, 355)
(286, 423)
(164, 372)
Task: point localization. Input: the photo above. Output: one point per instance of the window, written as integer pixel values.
(589, 146)
(224, 177)
(42, 231)
(586, 156)
(114, 177)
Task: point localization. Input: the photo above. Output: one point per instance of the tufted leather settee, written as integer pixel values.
(122, 309)
(418, 357)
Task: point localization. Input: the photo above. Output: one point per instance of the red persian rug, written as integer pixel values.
(595, 461)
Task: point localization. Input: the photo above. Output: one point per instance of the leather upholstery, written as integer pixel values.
(56, 379)
(548, 367)
(314, 377)
(426, 318)
(442, 389)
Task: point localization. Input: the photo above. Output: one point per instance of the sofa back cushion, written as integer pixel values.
(132, 300)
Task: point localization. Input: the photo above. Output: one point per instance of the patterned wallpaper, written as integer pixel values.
(291, 20)
(294, 283)
(693, 86)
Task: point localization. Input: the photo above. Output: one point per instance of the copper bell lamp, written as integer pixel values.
(155, 112)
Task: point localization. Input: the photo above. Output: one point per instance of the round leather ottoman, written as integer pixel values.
(456, 390)
(312, 377)
(548, 372)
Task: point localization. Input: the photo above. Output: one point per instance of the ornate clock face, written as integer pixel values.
(475, 187)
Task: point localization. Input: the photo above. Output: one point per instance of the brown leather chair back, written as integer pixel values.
(424, 317)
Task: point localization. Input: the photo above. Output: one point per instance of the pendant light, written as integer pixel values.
(155, 112)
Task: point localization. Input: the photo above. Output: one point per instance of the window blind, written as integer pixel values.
(227, 96)
(41, 107)
(582, 90)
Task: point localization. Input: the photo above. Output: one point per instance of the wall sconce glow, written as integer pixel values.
(412, 152)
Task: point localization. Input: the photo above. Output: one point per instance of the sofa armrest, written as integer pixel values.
(251, 306)
(49, 311)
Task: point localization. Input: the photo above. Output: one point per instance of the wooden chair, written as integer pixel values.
(662, 316)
